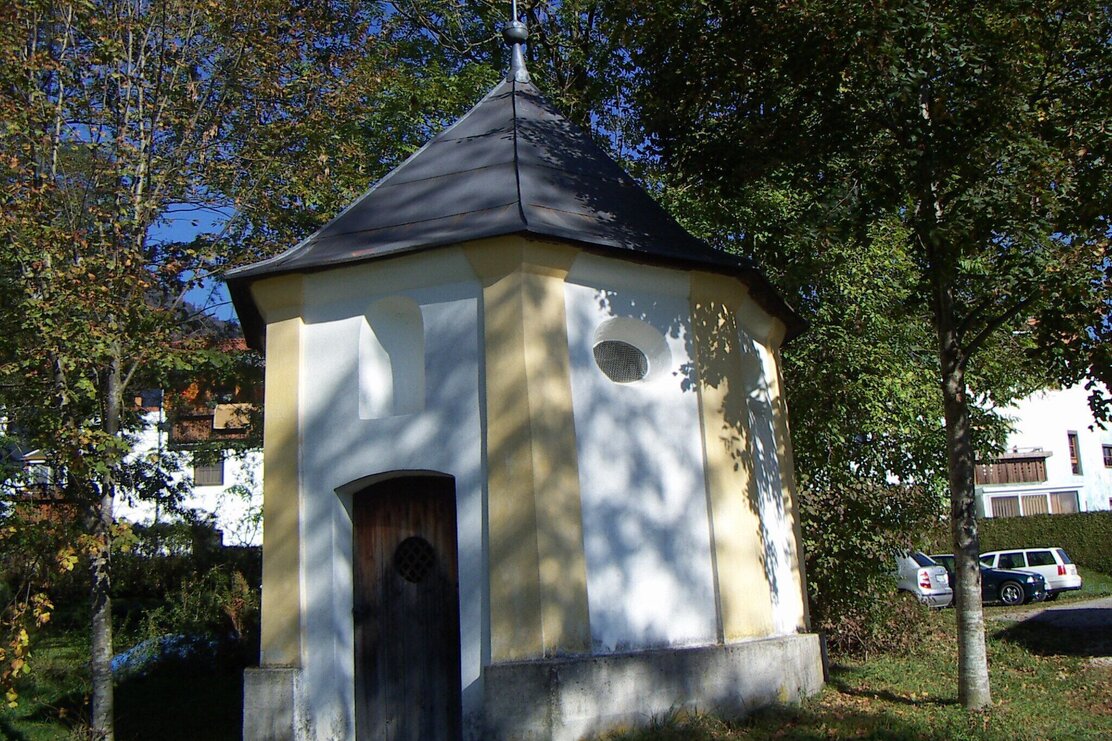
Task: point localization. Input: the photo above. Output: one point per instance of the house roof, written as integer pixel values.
(512, 165)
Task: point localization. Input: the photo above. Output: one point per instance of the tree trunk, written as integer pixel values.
(942, 259)
(101, 625)
(973, 684)
(103, 706)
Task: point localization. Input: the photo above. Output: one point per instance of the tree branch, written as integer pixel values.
(994, 325)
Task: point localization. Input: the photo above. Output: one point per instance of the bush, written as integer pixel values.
(1086, 537)
(171, 579)
(218, 603)
(851, 533)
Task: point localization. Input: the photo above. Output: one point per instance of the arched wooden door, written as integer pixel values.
(406, 609)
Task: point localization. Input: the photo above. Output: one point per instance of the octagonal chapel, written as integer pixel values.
(527, 468)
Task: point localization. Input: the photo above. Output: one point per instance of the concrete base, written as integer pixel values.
(570, 698)
(270, 704)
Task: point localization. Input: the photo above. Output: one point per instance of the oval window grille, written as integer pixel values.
(621, 361)
(414, 558)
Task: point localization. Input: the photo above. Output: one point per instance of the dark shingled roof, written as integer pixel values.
(512, 165)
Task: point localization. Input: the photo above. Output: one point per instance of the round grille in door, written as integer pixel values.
(414, 558)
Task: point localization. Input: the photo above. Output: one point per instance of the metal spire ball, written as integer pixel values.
(515, 34)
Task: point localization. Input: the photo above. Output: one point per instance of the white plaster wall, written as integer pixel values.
(236, 507)
(777, 535)
(340, 447)
(645, 522)
(1042, 421)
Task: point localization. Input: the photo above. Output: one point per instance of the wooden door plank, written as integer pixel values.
(407, 633)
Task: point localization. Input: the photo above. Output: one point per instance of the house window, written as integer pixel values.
(1005, 506)
(1075, 455)
(1034, 504)
(208, 474)
(1063, 503)
(1055, 503)
(1108, 456)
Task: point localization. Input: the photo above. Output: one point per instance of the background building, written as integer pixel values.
(196, 441)
(1058, 459)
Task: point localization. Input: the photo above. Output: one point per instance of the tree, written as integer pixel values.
(980, 133)
(120, 115)
(117, 114)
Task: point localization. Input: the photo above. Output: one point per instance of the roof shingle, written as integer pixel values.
(512, 165)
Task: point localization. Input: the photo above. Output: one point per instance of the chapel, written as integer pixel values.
(527, 463)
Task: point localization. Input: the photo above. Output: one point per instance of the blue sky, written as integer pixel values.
(183, 224)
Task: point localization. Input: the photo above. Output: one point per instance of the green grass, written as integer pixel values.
(1093, 584)
(53, 696)
(174, 702)
(1045, 686)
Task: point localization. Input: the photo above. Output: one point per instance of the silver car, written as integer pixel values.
(918, 574)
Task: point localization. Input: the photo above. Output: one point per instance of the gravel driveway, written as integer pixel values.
(1087, 615)
(1077, 628)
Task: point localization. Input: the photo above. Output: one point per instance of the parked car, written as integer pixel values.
(917, 574)
(1009, 587)
(1053, 563)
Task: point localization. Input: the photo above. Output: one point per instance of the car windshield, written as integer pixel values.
(1062, 555)
(923, 560)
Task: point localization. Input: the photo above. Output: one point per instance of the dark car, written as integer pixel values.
(1009, 587)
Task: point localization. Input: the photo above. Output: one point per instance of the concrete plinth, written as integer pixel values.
(270, 704)
(569, 698)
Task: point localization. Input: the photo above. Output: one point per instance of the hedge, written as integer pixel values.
(1086, 537)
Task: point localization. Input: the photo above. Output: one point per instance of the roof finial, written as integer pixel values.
(515, 34)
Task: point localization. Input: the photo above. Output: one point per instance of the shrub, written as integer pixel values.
(172, 580)
(219, 603)
(1086, 537)
(851, 532)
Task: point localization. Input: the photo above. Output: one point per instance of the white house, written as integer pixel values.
(1058, 459)
(226, 492)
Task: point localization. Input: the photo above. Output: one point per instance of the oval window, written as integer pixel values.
(621, 361)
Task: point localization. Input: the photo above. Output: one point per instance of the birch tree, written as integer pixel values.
(116, 116)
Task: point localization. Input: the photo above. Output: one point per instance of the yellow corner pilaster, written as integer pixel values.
(280, 301)
(538, 573)
(741, 584)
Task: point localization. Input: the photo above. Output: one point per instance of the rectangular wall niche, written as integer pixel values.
(391, 359)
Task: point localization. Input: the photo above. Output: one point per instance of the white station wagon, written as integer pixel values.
(1053, 563)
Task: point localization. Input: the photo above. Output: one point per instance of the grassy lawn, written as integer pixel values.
(1061, 697)
(1046, 685)
(52, 697)
(174, 702)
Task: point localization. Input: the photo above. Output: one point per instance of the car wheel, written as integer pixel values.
(1051, 596)
(1011, 593)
